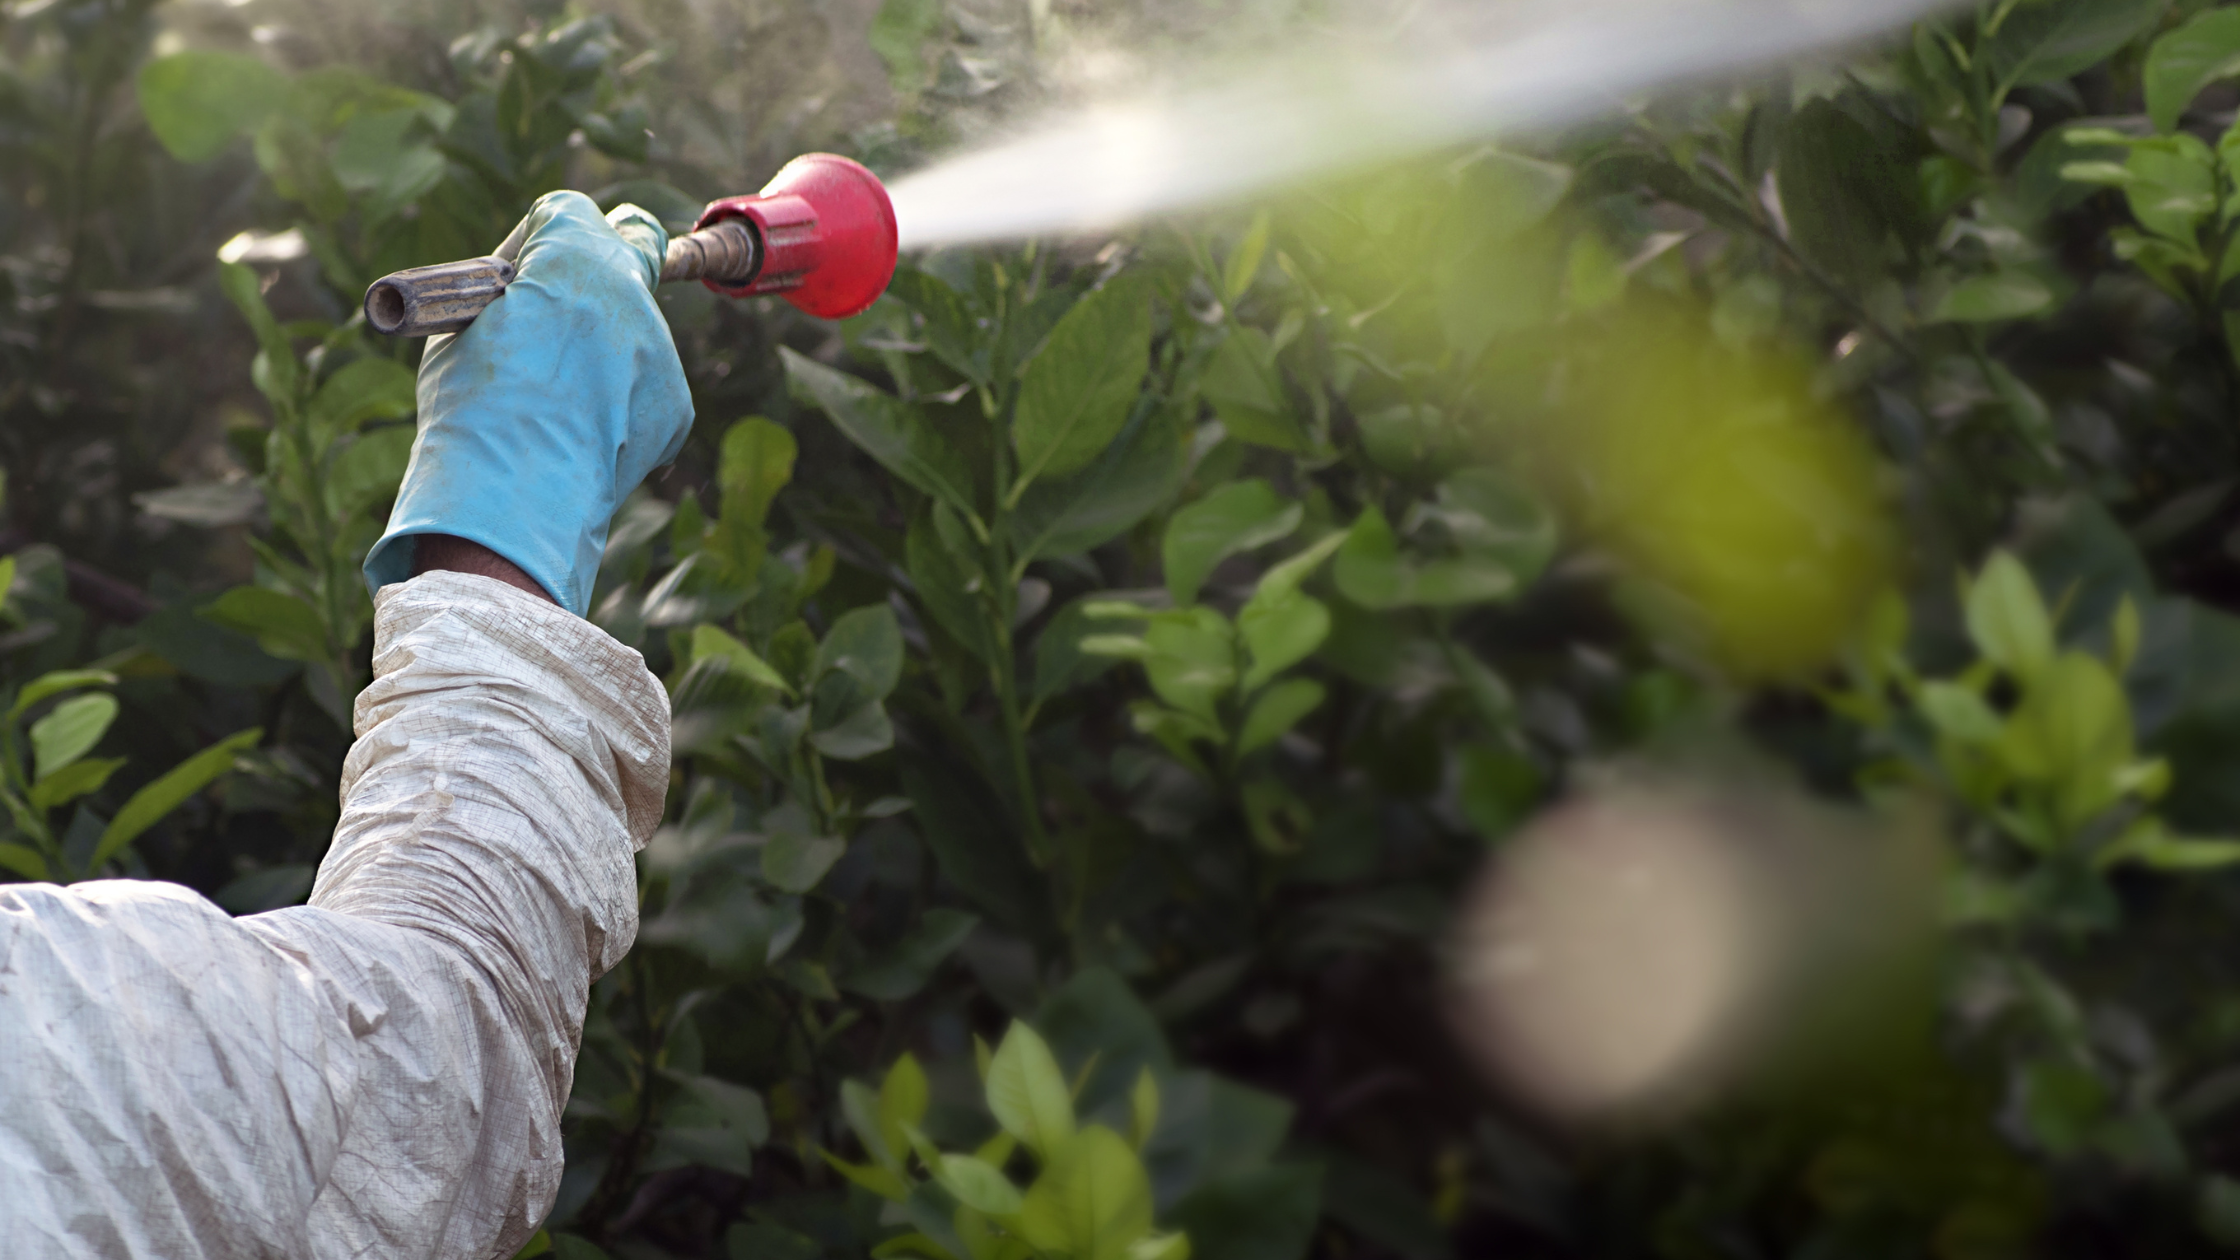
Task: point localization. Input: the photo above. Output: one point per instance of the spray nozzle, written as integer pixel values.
(821, 235)
(826, 233)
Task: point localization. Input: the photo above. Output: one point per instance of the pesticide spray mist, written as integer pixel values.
(1444, 75)
(1653, 938)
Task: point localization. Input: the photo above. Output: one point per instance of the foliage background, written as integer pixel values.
(1147, 638)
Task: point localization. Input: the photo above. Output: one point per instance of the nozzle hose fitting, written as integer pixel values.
(727, 253)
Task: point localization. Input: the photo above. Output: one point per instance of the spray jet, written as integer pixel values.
(820, 234)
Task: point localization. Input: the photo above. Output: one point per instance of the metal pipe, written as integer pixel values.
(421, 301)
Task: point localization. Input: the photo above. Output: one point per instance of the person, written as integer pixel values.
(381, 1072)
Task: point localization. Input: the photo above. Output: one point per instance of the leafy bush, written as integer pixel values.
(1125, 651)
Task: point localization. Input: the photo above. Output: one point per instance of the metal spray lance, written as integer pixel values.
(821, 235)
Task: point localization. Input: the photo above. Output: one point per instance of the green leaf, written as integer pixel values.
(1163, 1247)
(763, 1240)
(755, 464)
(1452, 583)
(2062, 1102)
(934, 1211)
(2217, 1210)
(277, 360)
(1234, 518)
(2188, 59)
(1372, 573)
(1284, 578)
(1143, 1109)
(383, 155)
(1244, 261)
(865, 731)
(1134, 477)
(1499, 788)
(704, 587)
(903, 969)
(2172, 192)
(865, 644)
(373, 388)
(54, 683)
(974, 838)
(1960, 713)
(171, 790)
(1242, 383)
(1095, 1020)
(1487, 517)
(2053, 39)
(369, 470)
(913, 1244)
(978, 1185)
(946, 585)
(2123, 636)
(1279, 625)
(1193, 659)
(1059, 662)
(712, 643)
(2006, 618)
(1026, 328)
(2102, 174)
(1277, 711)
(898, 33)
(1077, 392)
(70, 731)
(198, 101)
(1279, 633)
(1842, 192)
(948, 325)
(2000, 296)
(681, 1144)
(2150, 844)
(23, 860)
(885, 428)
(794, 863)
(884, 1182)
(902, 1101)
(73, 781)
(281, 624)
(1513, 193)
(1093, 1201)
(860, 1107)
(1028, 1094)
(735, 1107)
(294, 159)
(1269, 1212)
(2072, 732)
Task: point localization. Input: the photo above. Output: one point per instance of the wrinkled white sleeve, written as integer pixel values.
(380, 1072)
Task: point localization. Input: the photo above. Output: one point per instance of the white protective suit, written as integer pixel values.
(379, 1073)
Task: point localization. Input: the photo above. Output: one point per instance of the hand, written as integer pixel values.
(545, 412)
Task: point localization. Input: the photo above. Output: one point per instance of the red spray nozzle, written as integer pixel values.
(826, 232)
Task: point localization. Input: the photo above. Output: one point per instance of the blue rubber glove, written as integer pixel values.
(539, 417)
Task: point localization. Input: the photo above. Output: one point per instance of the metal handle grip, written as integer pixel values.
(421, 301)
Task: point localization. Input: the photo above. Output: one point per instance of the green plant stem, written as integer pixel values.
(1001, 602)
(1005, 678)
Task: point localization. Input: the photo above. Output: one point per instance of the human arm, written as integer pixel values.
(444, 553)
(381, 1072)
